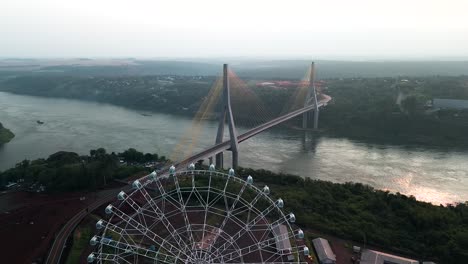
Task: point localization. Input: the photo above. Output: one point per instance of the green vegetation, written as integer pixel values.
(169, 94)
(67, 171)
(367, 109)
(359, 212)
(81, 238)
(5, 135)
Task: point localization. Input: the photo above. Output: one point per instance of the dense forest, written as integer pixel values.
(68, 171)
(5, 134)
(170, 94)
(367, 108)
(361, 213)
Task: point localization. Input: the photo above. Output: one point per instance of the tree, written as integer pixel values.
(410, 105)
(148, 157)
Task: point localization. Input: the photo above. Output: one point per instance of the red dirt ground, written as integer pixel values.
(29, 222)
(31, 226)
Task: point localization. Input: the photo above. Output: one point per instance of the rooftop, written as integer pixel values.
(281, 237)
(376, 257)
(323, 249)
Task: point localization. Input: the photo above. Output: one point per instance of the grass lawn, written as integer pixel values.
(81, 237)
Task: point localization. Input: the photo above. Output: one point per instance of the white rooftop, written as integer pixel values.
(281, 237)
(376, 257)
(450, 103)
(324, 251)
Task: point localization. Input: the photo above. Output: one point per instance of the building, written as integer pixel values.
(264, 84)
(324, 252)
(449, 103)
(376, 257)
(283, 244)
(11, 185)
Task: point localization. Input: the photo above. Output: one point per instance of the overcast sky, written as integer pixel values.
(333, 29)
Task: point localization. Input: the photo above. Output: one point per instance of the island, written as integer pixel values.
(5, 134)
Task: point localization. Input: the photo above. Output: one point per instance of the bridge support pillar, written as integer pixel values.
(219, 160)
(316, 118)
(226, 113)
(311, 96)
(305, 120)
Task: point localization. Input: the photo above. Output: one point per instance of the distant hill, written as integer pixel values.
(252, 68)
(285, 69)
(350, 69)
(139, 67)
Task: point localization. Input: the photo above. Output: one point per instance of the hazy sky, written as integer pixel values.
(361, 29)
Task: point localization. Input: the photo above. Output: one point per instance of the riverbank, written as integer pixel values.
(5, 134)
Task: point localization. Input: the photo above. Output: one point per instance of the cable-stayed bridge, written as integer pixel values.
(305, 101)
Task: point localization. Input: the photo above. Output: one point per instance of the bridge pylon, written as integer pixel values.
(311, 96)
(226, 113)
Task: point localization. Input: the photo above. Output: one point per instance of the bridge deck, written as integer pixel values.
(225, 145)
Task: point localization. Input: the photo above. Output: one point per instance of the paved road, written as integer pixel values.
(56, 251)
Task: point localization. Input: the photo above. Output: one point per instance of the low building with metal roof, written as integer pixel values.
(282, 238)
(449, 103)
(283, 244)
(324, 252)
(376, 257)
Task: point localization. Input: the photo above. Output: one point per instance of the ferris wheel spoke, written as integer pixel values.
(259, 246)
(216, 199)
(110, 257)
(167, 196)
(136, 250)
(249, 205)
(174, 249)
(184, 211)
(229, 209)
(248, 226)
(162, 217)
(126, 234)
(141, 212)
(206, 210)
(200, 198)
(280, 221)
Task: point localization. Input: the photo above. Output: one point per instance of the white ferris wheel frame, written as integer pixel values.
(180, 245)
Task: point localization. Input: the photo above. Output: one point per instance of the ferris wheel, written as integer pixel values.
(197, 216)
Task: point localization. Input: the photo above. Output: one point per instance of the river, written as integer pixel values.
(429, 174)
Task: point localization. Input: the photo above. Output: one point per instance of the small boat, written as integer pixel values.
(40, 122)
(144, 114)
